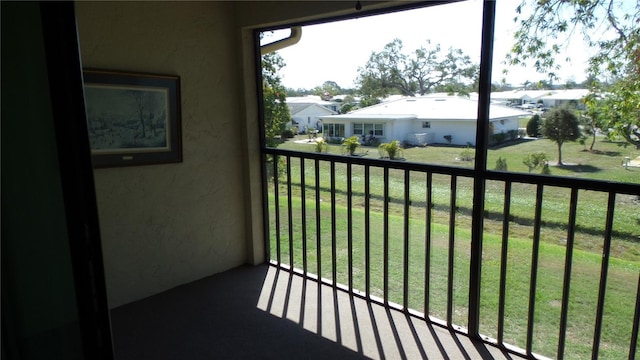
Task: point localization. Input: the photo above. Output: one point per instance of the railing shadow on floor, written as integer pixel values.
(365, 327)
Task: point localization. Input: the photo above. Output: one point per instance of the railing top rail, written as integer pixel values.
(515, 177)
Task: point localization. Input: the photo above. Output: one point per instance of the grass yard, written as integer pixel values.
(622, 280)
(591, 212)
(604, 164)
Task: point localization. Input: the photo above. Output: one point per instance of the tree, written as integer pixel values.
(276, 111)
(391, 71)
(328, 90)
(561, 125)
(543, 34)
(346, 107)
(533, 126)
(592, 118)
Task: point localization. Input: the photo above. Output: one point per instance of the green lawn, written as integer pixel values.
(621, 287)
(604, 164)
(591, 212)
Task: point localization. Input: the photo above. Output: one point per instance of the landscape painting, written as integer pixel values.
(132, 119)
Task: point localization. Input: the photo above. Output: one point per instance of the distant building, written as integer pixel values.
(572, 97)
(421, 120)
(306, 115)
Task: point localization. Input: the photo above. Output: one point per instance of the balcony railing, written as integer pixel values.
(400, 234)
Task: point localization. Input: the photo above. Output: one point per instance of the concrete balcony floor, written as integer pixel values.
(264, 313)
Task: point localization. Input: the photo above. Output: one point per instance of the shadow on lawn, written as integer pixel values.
(488, 215)
(606, 153)
(511, 143)
(579, 168)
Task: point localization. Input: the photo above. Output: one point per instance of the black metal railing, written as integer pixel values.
(368, 224)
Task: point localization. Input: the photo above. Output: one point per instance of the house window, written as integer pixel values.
(368, 129)
(426, 124)
(333, 130)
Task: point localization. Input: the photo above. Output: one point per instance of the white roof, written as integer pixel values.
(309, 99)
(430, 108)
(569, 94)
(520, 94)
(297, 108)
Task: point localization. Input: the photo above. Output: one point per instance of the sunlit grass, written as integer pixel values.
(621, 285)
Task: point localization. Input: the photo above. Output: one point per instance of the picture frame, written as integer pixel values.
(132, 118)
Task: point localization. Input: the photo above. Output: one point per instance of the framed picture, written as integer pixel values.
(133, 119)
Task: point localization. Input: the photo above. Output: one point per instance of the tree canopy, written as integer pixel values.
(561, 125)
(610, 28)
(426, 70)
(276, 111)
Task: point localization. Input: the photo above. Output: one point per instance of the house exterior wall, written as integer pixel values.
(462, 132)
(309, 116)
(165, 225)
(398, 130)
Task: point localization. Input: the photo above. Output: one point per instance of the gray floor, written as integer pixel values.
(262, 313)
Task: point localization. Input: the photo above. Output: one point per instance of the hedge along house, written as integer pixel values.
(430, 119)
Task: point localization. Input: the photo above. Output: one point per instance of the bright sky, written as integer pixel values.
(334, 51)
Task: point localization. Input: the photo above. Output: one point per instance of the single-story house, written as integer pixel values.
(518, 96)
(305, 115)
(314, 99)
(421, 120)
(568, 96)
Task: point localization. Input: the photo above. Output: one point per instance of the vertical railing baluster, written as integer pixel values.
(349, 228)
(636, 322)
(385, 236)
(334, 270)
(367, 233)
(534, 268)
(480, 167)
(289, 211)
(427, 247)
(568, 262)
(452, 236)
(504, 253)
(606, 250)
(303, 204)
(318, 229)
(276, 204)
(406, 241)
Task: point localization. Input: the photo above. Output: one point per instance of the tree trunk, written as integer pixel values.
(593, 140)
(560, 154)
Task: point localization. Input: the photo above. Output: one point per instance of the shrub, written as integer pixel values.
(287, 134)
(371, 142)
(497, 138)
(321, 145)
(334, 140)
(393, 150)
(466, 154)
(351, 144)
(282, 166)
(545, 169)
(533, 126)
(534, 160)
(501, 164)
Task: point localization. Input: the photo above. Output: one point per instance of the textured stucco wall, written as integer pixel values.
(165, 225)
